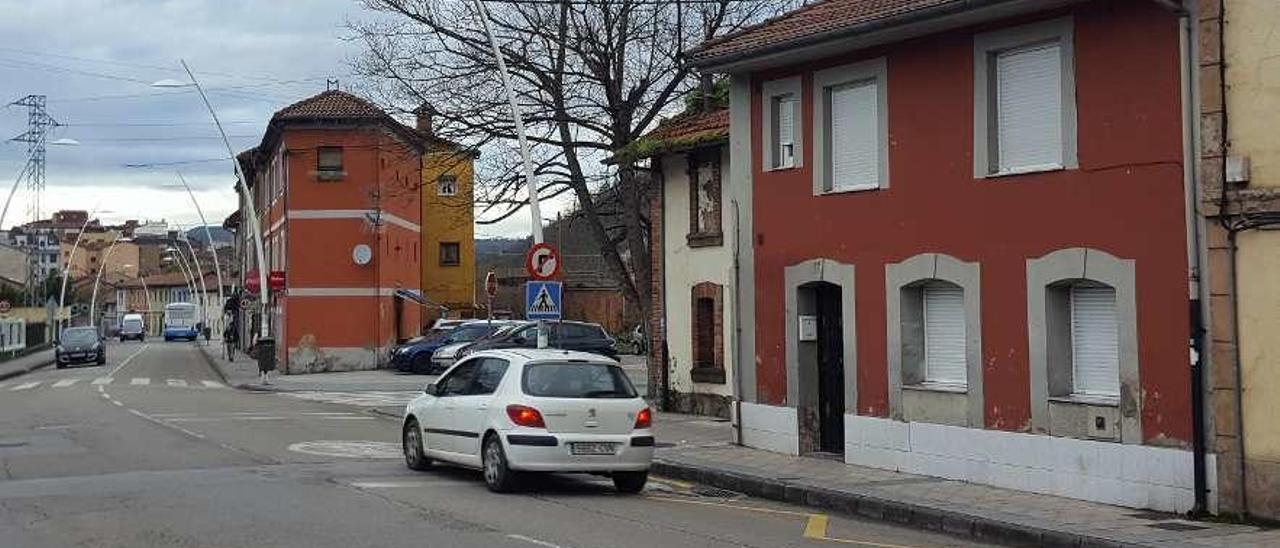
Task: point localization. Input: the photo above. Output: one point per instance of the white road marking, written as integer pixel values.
(395, 484)
(126, 361)
(140, 381)
(64, 383)
(177, 382)
(102, 380)
(349, 449)
(532, 540)
(213, 384)
(26, 386)
(360, 399)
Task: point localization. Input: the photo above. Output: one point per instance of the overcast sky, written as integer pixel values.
(96, 60)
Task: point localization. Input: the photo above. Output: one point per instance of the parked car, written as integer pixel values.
(79, 344)
(416, 357)
(577, 336)
(447, 354)
(516, 411)
(132, 327)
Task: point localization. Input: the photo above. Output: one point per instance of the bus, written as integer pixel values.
(180, 322)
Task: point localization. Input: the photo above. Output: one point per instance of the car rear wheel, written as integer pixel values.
(422, 363)
(102, 359)
(630, 482)
(411, 441)
(497, 474)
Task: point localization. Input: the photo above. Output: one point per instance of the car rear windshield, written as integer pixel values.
(576, 380)
(470, 333)
(79, 336)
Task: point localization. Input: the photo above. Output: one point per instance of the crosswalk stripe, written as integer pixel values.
(26, 386)
(213, 384)
(64, 383)
(177, 382)
(140, 381)
(102, 380)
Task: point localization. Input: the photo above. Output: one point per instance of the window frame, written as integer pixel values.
(696, 160)
(874, 70)
(330, 173)
(985, 48)
(440, 185)
(457, 260)
(770, 91)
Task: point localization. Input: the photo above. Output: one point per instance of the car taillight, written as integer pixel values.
(524, 415)
(644, 418)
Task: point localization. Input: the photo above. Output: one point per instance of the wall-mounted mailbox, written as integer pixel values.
(808, 328)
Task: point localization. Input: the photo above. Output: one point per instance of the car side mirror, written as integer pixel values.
(432, 390)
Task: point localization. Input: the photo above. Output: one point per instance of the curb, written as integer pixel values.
(21, 372)
(216, 366)
(956, 523)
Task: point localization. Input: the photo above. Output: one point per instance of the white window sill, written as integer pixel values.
(1088, 399)
(1025, 170)
(781, 168)
(951, 388)
(847, 190)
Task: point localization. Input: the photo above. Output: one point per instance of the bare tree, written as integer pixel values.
(591, 75)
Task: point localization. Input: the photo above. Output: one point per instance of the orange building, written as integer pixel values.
(336, 185)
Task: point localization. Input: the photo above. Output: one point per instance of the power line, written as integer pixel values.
(154, 124)
(173, 69)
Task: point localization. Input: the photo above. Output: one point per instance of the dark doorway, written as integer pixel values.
(830, 368)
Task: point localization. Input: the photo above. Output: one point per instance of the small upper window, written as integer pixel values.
(784, 116)
(450, 254)
(851, 131)
(447, 185)
(782, 134)
(329, 162)
(1025, 90)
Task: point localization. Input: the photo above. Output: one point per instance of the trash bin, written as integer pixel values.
(265, 351)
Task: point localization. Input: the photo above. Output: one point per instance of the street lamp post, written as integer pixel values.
(204, 288)
(264, 335)
(66, 265)
(518, 118)
(93, 301)
(181, 261)
(217, 268)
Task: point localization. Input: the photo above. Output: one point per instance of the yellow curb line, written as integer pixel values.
(815, 527)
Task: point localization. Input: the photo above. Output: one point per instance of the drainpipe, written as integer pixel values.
(737, 328)
(1197, 290)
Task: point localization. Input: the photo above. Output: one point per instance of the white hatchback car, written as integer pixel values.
(521, 410)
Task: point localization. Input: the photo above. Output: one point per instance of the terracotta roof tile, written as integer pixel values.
(809, 21)
(331, 104)
(683, 132)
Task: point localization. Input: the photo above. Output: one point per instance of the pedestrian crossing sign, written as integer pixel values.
(542, 300)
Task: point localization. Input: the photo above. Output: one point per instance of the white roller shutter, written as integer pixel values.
(786, 130)
(944, 335)
(855, 129)
(1095, 341)
(1029, 108)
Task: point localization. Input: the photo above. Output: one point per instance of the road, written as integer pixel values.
(153, 450)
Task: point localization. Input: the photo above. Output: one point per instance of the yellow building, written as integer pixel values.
(1240, 100)
(448, 226)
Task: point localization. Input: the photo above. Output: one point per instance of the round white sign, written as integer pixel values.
(361, 254)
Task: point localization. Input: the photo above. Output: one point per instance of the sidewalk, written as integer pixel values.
(26, 364)
(699, 449)
(243, 373)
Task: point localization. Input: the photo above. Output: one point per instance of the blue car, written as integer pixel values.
(415, 355)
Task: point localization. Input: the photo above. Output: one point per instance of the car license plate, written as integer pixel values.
(592, 448)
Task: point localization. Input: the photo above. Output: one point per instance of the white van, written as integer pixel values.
(132, 327)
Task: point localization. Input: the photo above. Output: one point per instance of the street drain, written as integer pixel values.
(715, 492)
(1177, 526)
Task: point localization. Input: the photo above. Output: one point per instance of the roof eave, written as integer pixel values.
(873, 33)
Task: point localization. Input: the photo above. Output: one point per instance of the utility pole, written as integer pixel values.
(38, 125)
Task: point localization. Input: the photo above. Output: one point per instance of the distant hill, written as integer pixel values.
(221, 236)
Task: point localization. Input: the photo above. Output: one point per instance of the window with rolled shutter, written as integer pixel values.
(1028, 117)
(784, 115)
(1095, 341)
(944, 334)
(853, 148)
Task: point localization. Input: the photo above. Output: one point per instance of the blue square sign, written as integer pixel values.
(543, 300)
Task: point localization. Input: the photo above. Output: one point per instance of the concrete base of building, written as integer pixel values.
(1263, 489)
(711, 405)
(311, 359)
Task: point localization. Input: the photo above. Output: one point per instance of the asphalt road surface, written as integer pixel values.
(153, 450)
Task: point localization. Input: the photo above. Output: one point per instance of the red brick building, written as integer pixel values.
(336, 182)
(966, 254)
